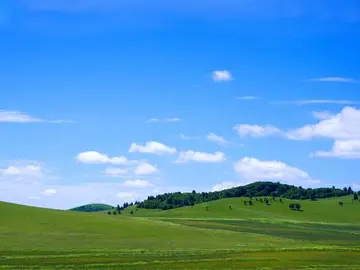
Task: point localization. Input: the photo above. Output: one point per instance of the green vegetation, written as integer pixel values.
(94, 207)
(264, 233)
(268, 189)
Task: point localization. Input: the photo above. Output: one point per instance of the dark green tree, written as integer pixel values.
(356, 197)
(118, 209)
(109, 212)
(131, 212)
(341, 203)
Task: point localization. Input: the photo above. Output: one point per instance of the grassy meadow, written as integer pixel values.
(324, 235)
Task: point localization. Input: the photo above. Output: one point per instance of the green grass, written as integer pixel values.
(325, 210)
(323, 236)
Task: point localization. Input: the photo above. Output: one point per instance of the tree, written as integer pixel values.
(356, 197)
(118, 209)
(341, 203)
(109, 212)
(281, 200)
(114, 213)
(297, 206)
(250, 202)
(245, 202)
(230, 207)
(292, 206)
(131, 212)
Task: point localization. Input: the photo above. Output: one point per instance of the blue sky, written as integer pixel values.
(112, 101)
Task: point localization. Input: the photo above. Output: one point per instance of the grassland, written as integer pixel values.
(322, 236)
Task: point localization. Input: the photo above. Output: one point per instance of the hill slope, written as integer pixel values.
(269, 189)
(323, 210)
(94, 207)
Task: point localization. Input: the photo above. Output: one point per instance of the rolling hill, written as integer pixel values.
(324, 235)
(94, 207)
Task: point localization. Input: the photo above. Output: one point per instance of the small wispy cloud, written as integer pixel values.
(222, 75)
(217, 139)
(21, 117)
(165, 120)
(247, 97)
(185, 137)
(322, 115)
(317, 101)
(334, 79)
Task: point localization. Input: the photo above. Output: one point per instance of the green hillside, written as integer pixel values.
(246, 237)
(94, 207)
(323, 210)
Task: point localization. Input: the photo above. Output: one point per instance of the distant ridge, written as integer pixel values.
(169, 201)
(94, 207)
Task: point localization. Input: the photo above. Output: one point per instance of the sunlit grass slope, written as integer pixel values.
(323, 210)
(26, 228)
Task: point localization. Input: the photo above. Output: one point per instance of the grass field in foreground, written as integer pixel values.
(190, 238)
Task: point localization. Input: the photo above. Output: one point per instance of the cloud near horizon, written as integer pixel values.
(20, 117)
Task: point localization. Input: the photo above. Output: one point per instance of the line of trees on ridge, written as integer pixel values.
(258, 189)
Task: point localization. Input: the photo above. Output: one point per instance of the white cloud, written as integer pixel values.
(200, 157)
(223, 185)
(93, 157)
(349, 149)
(185, 137)
(145, 169)
(115, 172)
(342, 126)
(22, 170)
(256, 131)
(49, 192)
(355, 186)
(20, 117)
(221, 75)
(334, 79)
(218, 139)
(137, 183)
(166, 120)
(152, 148)
(322, 115)
(247, 98)
(256, 170)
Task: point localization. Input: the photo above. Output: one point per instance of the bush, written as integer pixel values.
(341, 203)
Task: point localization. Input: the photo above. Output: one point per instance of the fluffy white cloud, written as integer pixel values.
(255, 170)
(342, 149)
(342, 126)
(189, 156)
(20, 117)
(256, 131)
(145, 169)
(322, 115)
(22, 170)
(152, 148)
(166, 120)
(115, 172)
(221, 75)
(218, 139)
(49, 192)
(334, 79)
(137, 183)
(93, 157)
